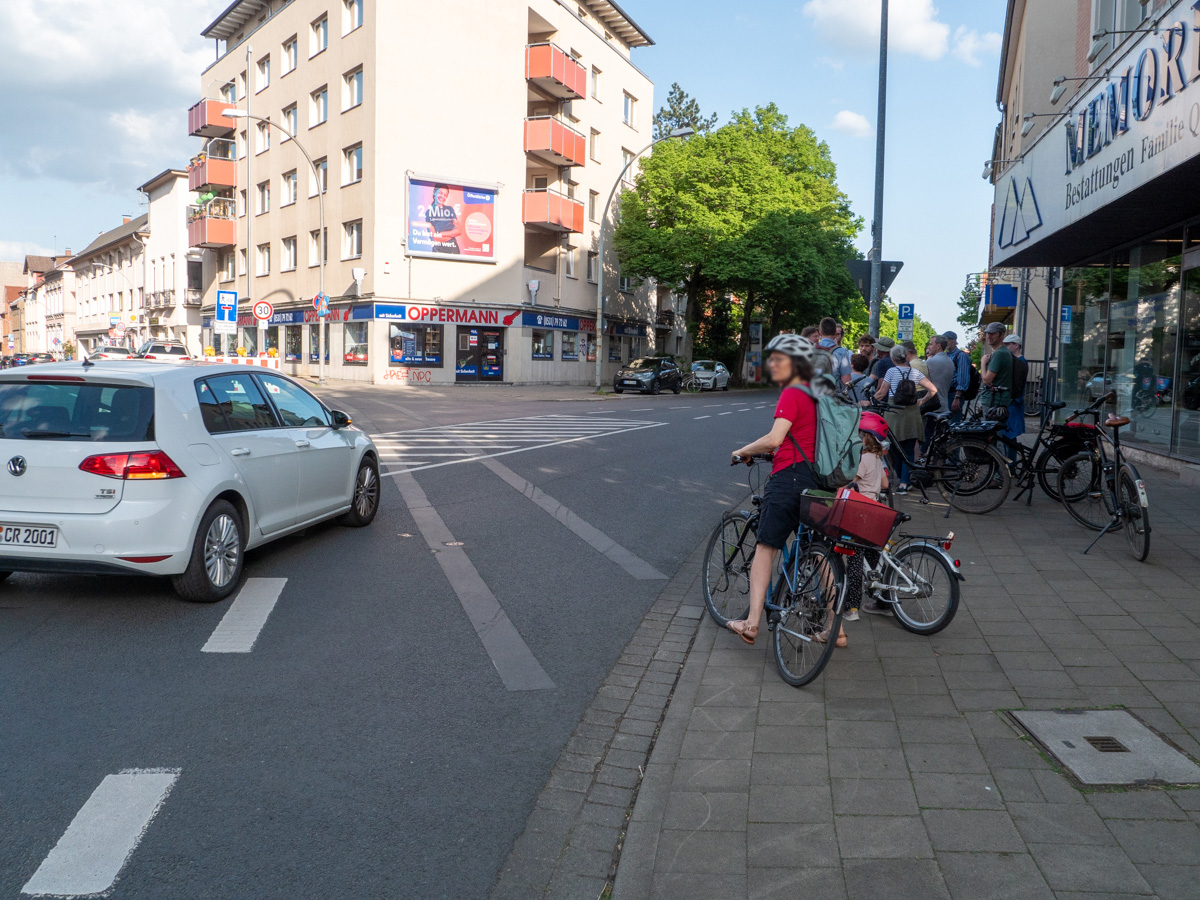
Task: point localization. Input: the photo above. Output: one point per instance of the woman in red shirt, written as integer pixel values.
(790, 364)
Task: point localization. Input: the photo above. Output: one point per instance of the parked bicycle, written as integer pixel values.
(1054, 443)
(691, 383)
(1105, 493)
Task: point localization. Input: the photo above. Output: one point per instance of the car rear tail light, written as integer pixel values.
(143, 559)
(151, 466)
(53, 378)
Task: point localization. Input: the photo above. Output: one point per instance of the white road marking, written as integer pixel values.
(245, 618)
(103, 835)
(703, 417)
(679, 407)
(644, 409)
(747, 409)
(626, 559)
(726, 413)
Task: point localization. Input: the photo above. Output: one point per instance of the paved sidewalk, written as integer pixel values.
(896, 776)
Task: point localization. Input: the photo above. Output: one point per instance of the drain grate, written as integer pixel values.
(1107, 747)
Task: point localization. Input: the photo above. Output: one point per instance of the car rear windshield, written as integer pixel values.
(75, 411)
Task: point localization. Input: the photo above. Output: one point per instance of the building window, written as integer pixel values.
(352, 164)
(263, 260)
(243, 145)
(352, 240)
(319, 106)
(264, 73)
(570, 345)
(289, 188)
(314, 247)
(571, 188)
(355, 336)
(250, 342)
(414, 345)
(543, 344)
(290, 56)
(568, 110)
(625, 283)
(293, 337)
(353, 16)
(314, 343)
(614, 348)
(241, 262)
(288, 262)
(227, 266)
(594, 206)
(591, 267)
(596, 84)
(229, 92)
(263, 198)
(263, 140)
(630, 111)
(318, 182)
(319, 39)
(352, 95)
(569, 263)
(594, 146)
(291, 121)
(627, 163)
(242, 83)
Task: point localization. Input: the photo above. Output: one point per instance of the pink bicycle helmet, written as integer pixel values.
(874, 424)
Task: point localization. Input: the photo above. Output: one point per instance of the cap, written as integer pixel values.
(995, 328)
(950, 335)
(1014, 339)
(885, 344)
(909, 346)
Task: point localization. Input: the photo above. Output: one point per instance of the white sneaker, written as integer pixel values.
(851, 616)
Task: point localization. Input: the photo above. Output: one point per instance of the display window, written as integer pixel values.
(570, 345)
(415, 345)
(614, 348)
(271, 340)
(355, 336)
(292, 339)
(250, 341)
(314, 343)
(543, 344)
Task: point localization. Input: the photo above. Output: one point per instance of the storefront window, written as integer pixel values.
(1085, 305)
(250, 341)
(570, 345)
(293, 337)
(217, 344)
(414, 345)
(590, 342)
(314, 343)
(272, 342)
(614, 348)
(1186, 391)
(543, 345)
(356, 343)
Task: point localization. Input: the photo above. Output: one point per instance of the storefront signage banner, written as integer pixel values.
(561, 323)
(1123, 132)
(297, 316)
(451, 221)
(453, 315)
(620, 328)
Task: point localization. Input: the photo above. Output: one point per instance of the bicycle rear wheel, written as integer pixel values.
(972, 476)
(1135, 512)
(727, 568)
(1050, 462)
(812, 610)
(1084, 493)
(923, 588)
(692, 385)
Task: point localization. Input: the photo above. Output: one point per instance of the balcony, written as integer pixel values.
(216, 167)
(193, 298)
(160, 299)
(554, 142)
(212, 225)
(555, 72)
(205, 119)
(665, 318)
(549, 210)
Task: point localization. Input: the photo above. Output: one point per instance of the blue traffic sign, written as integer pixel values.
(321, 304)
(904, 327)
(225, 321)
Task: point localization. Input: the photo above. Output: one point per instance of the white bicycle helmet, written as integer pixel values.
(794, 346)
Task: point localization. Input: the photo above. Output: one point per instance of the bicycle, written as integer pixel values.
(691, 383)
(1065, 439)
(1107, 494)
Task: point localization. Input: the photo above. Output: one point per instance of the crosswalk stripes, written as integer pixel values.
(445, 445)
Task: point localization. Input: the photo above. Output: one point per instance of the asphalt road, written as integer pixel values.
(367, 746)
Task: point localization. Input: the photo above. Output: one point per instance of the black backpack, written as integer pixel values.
(973, 383)
(906, 391)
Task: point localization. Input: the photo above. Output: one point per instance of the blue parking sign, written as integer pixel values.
(907, 313)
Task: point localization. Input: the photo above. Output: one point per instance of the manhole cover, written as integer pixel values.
(1107, 746)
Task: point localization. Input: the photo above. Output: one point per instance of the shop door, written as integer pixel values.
(480, 354)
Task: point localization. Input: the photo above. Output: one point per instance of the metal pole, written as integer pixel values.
(249, 199)
(880, 131)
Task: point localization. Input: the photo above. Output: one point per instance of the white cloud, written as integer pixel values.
(913, 25)
(970, 45)
(852, 123)
(18, 250)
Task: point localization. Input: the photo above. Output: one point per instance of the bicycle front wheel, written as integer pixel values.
(973, 477)
(1050, 462)
(923, 588)
(811, 620)
(692, 385)
(727, 568)
(1083, 491)
(1135, 512)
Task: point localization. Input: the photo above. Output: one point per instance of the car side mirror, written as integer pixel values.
(340, 419)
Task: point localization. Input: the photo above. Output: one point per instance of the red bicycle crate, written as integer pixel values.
(849, 514)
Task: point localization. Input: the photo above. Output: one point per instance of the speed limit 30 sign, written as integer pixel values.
(263, 310)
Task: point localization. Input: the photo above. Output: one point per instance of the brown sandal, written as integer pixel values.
(744, 632)
(823, 638)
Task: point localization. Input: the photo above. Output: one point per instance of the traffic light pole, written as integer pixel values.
(877, 223)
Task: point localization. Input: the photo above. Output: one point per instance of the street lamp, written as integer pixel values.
(321, 240)
(685, 131)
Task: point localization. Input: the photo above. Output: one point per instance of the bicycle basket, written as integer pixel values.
(849, 515)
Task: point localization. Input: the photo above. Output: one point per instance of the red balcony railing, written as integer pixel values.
(555, 71)
(555, 142)
(552, 211)
(213, 224)
(209, 172)
(205, 119)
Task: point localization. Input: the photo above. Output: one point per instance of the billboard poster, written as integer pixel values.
(451, 221)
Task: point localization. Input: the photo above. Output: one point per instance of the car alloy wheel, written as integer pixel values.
(222, 549)
(366, 491)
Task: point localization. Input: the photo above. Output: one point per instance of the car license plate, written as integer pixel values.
(629, 381)
(28, 536)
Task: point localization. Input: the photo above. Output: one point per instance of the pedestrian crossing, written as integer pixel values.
(446, 445)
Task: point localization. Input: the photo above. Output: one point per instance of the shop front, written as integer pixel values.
(1107, 195)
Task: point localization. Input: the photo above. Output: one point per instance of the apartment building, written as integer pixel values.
(12, 282)
(464, 155)
(141, 280)
(1094, 167)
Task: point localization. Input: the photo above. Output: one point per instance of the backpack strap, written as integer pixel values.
(804, 456)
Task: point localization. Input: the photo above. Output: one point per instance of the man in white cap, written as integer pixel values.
(1020, 377)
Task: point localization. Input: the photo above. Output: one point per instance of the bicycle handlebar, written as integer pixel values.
(752, 458)
(1094, 408)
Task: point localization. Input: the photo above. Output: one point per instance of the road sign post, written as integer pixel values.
(904, 330)
(321, 305)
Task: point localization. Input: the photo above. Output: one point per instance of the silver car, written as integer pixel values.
(711, 375)
(137, 467)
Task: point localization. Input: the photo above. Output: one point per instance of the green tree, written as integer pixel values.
(968, 304)
(681, 111)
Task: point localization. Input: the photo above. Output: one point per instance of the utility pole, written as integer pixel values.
(877, 223)
(247, 209)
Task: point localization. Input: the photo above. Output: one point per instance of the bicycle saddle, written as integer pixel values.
(1116, 421)
(1056, 404)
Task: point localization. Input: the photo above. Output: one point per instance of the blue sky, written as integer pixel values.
(106, 110)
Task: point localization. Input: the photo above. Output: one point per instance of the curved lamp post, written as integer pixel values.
(677, 133)
(322, 248)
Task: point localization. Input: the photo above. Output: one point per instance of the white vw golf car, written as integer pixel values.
(137, 467)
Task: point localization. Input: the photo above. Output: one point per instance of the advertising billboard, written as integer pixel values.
(451, 221)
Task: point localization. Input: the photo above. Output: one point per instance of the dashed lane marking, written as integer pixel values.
(244, 620)
(726, 413)
(703, 417)
(103, 835)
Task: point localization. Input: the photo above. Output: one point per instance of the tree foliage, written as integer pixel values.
(681, 111)
(968, 305)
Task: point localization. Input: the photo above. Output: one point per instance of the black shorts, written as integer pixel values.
(779, 514)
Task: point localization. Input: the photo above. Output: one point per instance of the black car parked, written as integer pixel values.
(650, 374)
